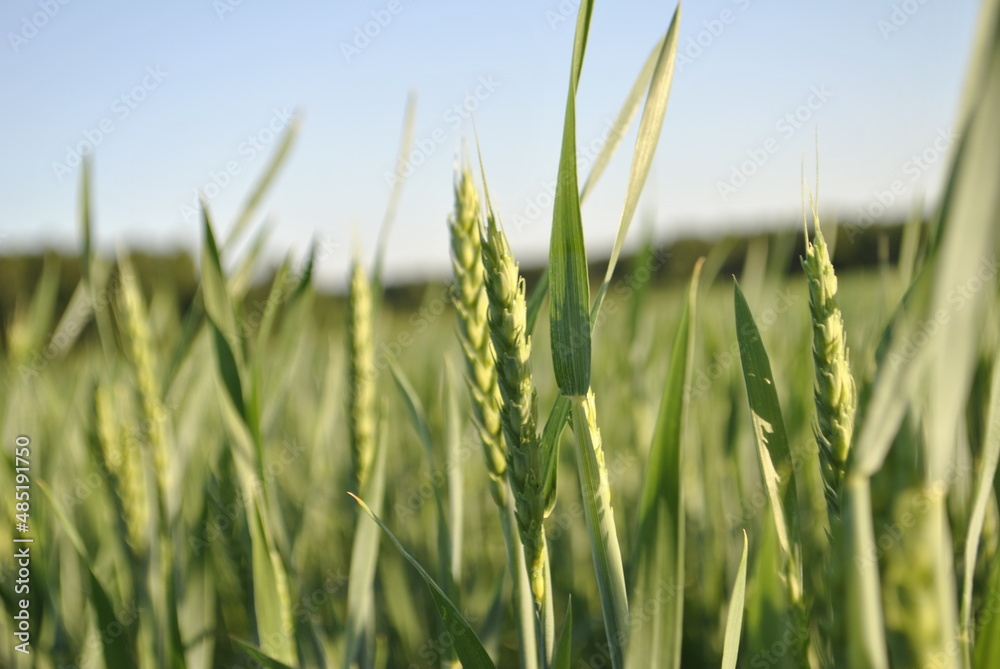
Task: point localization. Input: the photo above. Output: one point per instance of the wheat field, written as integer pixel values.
(781, 468)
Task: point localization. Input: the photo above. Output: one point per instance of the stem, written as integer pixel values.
(527, 647)
(596, 493)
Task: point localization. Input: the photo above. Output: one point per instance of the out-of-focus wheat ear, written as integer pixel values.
(471, 304)
(835, 394)
(143, 360)
(124, 461)
(361, 369)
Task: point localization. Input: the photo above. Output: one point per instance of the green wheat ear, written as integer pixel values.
(472, 303)
(361, 361)
(124, 463)
(142, 353)
(519, 410)
(834, 391)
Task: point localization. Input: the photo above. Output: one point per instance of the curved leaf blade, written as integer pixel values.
(569, 287)
(660, 550)
(467, 644)
(734, 619)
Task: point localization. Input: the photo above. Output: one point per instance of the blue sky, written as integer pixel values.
(179, 95)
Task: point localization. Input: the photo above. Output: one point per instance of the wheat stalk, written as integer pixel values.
(519, 409)
(472, 306)
(834, 391)
(361, 361)
(596, 491)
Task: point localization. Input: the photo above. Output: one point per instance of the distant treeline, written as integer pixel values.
(856, 246)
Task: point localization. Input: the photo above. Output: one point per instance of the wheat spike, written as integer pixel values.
(519, 410)
(471, 304)
(124, 462)
(142, 352)
(361, 361)
(835, 394)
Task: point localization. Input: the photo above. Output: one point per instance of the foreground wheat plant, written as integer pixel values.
(472, 305)
(834, 394)
(519, 410)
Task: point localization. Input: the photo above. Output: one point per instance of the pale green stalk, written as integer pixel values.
(361, 361)
(596, 492)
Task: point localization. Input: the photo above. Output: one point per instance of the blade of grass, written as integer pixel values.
(364, 557)
(556, 422)
(41, 310)
(470, 650)
(569, 288)
(193, 321)
(773, 453)
(218, 304)
(649, 132)
(564, 646)
(270, 587)
(537, 299)
(70, 325)
(228, 369)
(775, 460)
(491, 628)
(260, 656)
(616, 133)
(988, 629)
(86, 225)
(734, 619)
(659, 556)
(119, 650)
(241, 278)
(409, 120)
(596, 493)
(305, 278)
(418, 418)
(970, 240)
(272, 601)
(866, 627)
(645, 144)
(275, 297)
(615, 136)
(263, 184)
(984, 490)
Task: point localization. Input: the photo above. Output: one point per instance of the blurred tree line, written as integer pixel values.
(857, 246)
